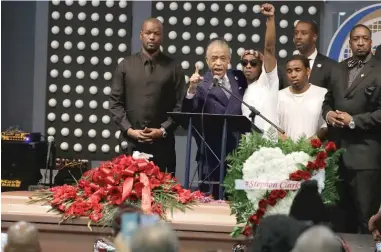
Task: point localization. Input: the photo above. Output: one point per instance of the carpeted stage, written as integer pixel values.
(205, 228)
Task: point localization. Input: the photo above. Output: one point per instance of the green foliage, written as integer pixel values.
(240, 205)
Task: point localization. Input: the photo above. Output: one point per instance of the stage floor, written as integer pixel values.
(204, 228)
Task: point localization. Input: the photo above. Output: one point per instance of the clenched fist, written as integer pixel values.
(268, 10)
(194, 80)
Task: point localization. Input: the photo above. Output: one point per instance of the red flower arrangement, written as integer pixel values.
(123, 180)
(305, 173)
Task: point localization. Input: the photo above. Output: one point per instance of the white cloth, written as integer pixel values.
(300, 114)
(312, 58)
(226, 83)
(263, 95)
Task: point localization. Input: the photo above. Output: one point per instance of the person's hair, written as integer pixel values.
(158, 237)
(218, 41)
(153, 20)
(316, 239)
(312, 24)
(117, 221)
(359, 26)
(301, 58)
(22, 236)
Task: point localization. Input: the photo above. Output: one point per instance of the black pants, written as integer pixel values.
(360, 197)
(163, 151)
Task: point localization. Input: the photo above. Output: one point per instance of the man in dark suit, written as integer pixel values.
(378, 52)
(201, 97)
(305, 39)
(145, 87)
(352, 109)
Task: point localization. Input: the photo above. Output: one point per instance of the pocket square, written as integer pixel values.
(369, 90)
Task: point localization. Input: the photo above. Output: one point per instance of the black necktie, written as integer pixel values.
(149, 67)
(354, 62)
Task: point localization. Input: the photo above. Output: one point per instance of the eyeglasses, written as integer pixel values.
(253, 62)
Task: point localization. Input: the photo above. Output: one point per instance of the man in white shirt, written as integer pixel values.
(262, 75)
(300, 105)
(306, 34)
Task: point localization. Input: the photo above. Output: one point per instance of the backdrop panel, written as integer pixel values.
(87, 40)
(188, 26)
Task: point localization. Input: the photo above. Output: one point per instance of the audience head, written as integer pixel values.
(22, 237)
(360, 41)
(151, 35)
(218, 57)
(251, 62)
(155, 238)
(317, 239)
(277, 233)
(305, 36)
(298, 72)
(125, 208)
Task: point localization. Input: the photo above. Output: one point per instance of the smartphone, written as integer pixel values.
(132, 221)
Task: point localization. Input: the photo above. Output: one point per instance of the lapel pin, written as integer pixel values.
(239, 88)
(319, 65)
(362, 75)
(235, 77)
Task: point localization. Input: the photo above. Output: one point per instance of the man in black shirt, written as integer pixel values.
(145, 87)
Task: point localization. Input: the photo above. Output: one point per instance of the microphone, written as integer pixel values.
(48, 157)
(214, 82)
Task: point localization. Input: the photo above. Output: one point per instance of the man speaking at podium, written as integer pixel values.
(203, 97)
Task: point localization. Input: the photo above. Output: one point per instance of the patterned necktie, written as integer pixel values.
(353, 62)
(227, 85)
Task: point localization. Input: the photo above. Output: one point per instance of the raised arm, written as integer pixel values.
(268, 10)
(117, 100)
(192, 96)
(169, 125)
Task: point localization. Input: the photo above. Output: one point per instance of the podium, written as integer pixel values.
(231, 123)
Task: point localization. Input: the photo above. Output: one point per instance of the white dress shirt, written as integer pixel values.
(312, 58)
(190, 96)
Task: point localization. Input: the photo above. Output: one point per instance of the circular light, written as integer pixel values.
(80, 74)
(107, 76)
(77, 147)
(228, 37)
(64, 146)
(105, 105)
(283, 39)
(106, 119)
(93, 104)
(81, 16)
(242, 22)
(52, 102)
(159, 6)
(109, 32)
(66, 89)
(69, 15)
(187, 6)
(67, 59)
(92, 147)
(106, 133)
(79, 89)
(120, 60)
(256, 22)
(172, 35)
(95, 31)
(53, 88)
(78, 118)
(185, 64)
(298, 10)
(214, 21)
(117, 134)
(95, 17)
(186, 79)
(214, 7)
(186, 36)
(55, 29)
(68, 30)
(284, 9)
(240, 51)
(201, 7)
(51, 131)
(69, 2)
(200, 36)
(185, 49)
(93, 118)
(213, 35)
(283, 53)
(172, 20)
(109, 17)
(116, 149)
(94, 60)
(228, 22)
(122, 4)
(312, 10)
(81, 31)
(242, 8)
(92, 133)
(105, 148)
(187, 21)
(79, 104)
(51, 116)
(93, 90)
(109, 3)
(94, 75)
(122, 47)
(82, 2)
(256, 8)
(229, 7)
(173, 6)
(199, 50)
(78, 132)
(122, 18)
(283, 23)
(107, 90)
(54, 44)
(122, 32)
(81, 45)
(65, 117)
(64, 131)
(200, 64)
(68, 45)
(54, 59)
(161, 19)
(55, 2)
(108, 47)
(54, 73)
(95, 3)
(80, 59)
(66, 103)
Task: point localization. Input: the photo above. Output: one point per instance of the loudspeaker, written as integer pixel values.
(21, 164)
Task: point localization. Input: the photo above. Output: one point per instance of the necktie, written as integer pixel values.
(353, 62)
(310, 62)
(227, 85)
(149, 67)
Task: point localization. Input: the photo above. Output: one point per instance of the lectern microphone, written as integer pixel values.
(254, 111)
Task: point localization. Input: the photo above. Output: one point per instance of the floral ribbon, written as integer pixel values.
(146, 194)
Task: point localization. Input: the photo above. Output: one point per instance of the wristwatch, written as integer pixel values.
(352, 124)
(164, 132)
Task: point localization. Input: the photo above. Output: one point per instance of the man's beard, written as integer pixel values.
(151, 50)
(362, 54)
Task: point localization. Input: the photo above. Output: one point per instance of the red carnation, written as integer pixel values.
(95, 216)
(262, 203)
(295, 176)
(247, 231)
(311, 166)
(282, 194)
(330, 147)
(305, 175)
(322, 155)
(272, 202)
(320, 163)
(260, 212)
(254, 219)
(316, 143)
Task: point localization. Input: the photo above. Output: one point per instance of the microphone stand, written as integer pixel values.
(254, 111)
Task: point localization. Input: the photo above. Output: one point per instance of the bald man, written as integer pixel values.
(146, 86)
(22, 237)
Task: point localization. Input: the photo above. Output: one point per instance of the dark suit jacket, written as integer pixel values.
(138, 101)
(378, 52)
(216, 102)
(362, 100)
(320, 74)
